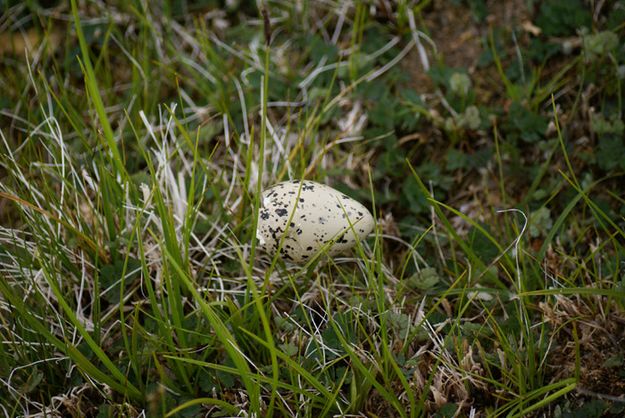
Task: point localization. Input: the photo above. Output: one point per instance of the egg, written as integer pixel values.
(309, 216)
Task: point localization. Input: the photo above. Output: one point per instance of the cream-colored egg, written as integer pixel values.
(310, 215)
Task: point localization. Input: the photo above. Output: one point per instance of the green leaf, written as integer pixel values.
(426, 279)
(479, 9)
(459, 84)
(610, 152)
(599, 44)
(592, 409)
(470, 118)
(563, 18)
(289, 349)
(540, 222)
(414, 197)
(320, 49)
(456, 159)
(384, 112)
(531, 126)
(409, 111)
(616, 360)
(606, 125)
(399, 323)
(447, 411)
(481, 245)
(111, 278)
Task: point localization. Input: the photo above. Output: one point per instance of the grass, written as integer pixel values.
(136, 138)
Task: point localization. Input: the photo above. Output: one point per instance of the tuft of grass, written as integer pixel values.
(136, 139)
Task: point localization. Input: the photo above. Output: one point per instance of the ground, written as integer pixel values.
(486, 138)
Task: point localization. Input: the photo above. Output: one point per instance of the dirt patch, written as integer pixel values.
(459, 39)
(600, 341)
(458, 35)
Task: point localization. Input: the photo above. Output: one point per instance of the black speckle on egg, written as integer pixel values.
(323, 213)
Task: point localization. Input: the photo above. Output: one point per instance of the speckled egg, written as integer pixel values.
(310, 215)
